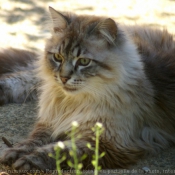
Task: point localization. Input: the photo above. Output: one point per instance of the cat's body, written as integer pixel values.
(17, 80)
(94, 70)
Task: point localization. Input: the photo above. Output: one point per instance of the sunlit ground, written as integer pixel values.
(22, 22)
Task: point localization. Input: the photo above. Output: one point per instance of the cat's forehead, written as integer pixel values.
(69, 48)
(73, 42)
(78, 37)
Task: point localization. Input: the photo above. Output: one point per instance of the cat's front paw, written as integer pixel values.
(27, 163)
(33, 162)
(11, 155)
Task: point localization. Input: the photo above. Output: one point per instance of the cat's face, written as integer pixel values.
(78, 52)
(73, 70)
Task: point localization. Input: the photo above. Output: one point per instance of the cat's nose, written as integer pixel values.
(64, 79)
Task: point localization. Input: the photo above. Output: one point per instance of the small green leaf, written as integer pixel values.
(51, 155)
(99, 167)
(70, 163)
(89, 145)
(93, 162)
(80, 165)
(83, 157)
(102, 154)
(63, 158)
(71, 153)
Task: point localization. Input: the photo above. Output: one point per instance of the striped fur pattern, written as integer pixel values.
(95, 70)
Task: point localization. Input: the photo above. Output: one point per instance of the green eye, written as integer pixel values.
(84, 61)
(57, 57)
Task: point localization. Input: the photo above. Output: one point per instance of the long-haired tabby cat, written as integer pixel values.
(95, 70)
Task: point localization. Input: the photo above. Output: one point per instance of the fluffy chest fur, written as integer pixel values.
(95, 70)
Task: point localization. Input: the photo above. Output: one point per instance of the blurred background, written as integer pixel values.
(22, 22)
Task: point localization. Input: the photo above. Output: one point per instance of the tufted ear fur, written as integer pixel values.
(108, 29)
(60, 22)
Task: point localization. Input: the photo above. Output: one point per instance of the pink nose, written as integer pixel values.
(64, 79)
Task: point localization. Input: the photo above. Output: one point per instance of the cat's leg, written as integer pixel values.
(18, 87)
(39, 159)
(114, 157)
(40, 136)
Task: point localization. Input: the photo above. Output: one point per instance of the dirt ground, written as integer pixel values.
(23, 25)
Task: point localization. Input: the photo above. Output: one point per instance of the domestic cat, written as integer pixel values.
(95, 70)
(17, 80)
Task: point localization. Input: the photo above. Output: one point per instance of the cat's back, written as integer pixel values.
(17, 76)
(157, 50)
(15, 59)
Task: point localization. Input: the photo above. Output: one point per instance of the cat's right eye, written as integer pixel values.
(57, 57)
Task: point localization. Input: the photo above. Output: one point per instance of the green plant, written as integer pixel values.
(76, 163)
(59, 159)
(98, 130)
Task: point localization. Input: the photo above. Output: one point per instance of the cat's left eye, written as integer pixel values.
(84, 61)
(57, 57)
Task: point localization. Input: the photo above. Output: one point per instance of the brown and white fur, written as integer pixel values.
(128, 86)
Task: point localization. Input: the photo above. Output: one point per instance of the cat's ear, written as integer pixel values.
(108, 29)
(60, 21)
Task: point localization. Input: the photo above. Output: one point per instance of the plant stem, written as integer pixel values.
(96, 151)
(58, 161)
(74, 149)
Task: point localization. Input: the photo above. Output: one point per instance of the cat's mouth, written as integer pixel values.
(69, 89)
